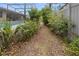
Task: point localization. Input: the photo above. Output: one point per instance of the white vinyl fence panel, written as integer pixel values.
(74, 14)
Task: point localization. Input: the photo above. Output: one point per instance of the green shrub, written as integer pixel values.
(7, 33)
(26, 30)
(34, 14)
(59, 25)
(1, 42)
(46, 14)
(73, 48)
(56, 22)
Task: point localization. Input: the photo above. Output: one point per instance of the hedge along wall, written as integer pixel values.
(72, 12)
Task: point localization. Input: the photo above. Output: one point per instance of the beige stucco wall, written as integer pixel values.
(4, 15)
(3, 18)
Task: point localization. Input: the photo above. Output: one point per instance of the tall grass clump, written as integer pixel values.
(5, 36)
(7, 33)
(73, 47)
(26, 31)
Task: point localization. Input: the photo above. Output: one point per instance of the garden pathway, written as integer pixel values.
(43, 43)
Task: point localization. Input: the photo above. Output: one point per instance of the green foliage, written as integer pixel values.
(26, 30)
(59, 25)
(34, 14)
(23, 32)
(46, 14)
(7, 33)
(1, 42)
(73, 48)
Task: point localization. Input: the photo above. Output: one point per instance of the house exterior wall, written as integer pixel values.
(73, 14)
(4, 15)
(11, 16)
(3, 18)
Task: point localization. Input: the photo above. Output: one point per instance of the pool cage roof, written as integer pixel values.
(19, 8)
(23, 8)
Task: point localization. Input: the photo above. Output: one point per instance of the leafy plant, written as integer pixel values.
(34, 14)
(1, 42)
(56, 22)
(7, 33)
(73, 48)
(26, 30)
(46, 14)
(59, 25)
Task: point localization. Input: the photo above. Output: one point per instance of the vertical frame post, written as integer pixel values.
(69, 24)
(25, 11)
